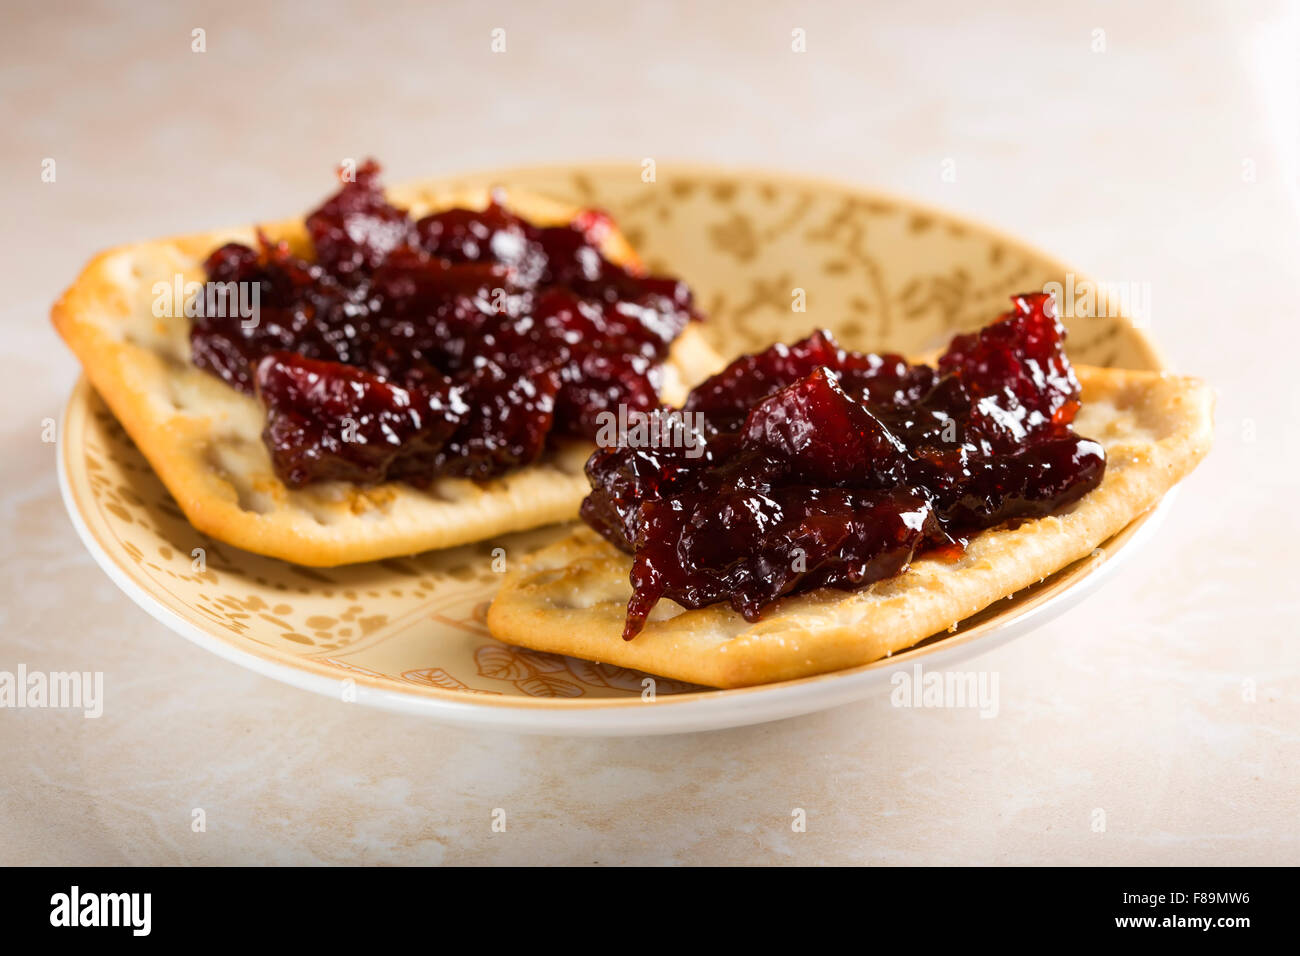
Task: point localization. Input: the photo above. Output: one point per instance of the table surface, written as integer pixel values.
(1166, 704)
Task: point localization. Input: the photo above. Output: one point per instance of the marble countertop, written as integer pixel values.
(1163, 149)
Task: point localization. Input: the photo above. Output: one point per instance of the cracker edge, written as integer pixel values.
(528, 498)
(833, 630)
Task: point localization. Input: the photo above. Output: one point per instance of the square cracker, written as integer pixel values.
(570, 598)
(203, 438)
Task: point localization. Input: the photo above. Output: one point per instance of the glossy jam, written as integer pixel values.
(456, 345)
(823, 467)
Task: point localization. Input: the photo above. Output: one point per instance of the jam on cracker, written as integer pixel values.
(829, 468)
(456, 345)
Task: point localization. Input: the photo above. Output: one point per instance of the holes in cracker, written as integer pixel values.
(583, 590)
(371, 503)
(665, 611)
(249, 498)
(326, 503)
(452, 490)
(334, 502)
(324, 513)
(237, 462)
(184, 397)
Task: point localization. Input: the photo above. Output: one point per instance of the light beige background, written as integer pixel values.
(1135, 163)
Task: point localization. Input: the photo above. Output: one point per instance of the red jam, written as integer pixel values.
(818, 467)
(456, 345)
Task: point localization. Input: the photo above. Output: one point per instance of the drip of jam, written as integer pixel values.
(818, 467)
(458, 345)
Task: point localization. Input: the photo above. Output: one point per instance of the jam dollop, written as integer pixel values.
(459, 344)
(813, 466)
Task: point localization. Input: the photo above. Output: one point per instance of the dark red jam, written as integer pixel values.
(456, 345)
(817, 467)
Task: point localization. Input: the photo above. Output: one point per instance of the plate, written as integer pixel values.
(407, 634)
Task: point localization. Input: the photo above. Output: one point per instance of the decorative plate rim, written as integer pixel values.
(815, 180)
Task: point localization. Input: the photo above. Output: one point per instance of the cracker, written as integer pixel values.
(570, 598)
(203, 438)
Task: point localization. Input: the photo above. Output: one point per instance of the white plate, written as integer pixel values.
(407, 634)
